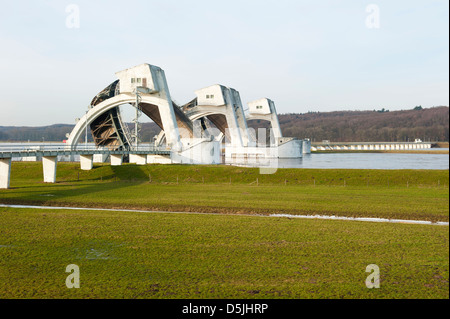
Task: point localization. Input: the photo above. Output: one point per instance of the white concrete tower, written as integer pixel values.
(150, 81)
(264, 109)
(220, 100)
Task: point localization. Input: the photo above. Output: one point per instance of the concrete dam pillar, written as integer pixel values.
(49, 167)
(116, 159)
(87, 162)
(5, 172)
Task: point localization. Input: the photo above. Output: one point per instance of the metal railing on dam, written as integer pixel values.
(51, 150)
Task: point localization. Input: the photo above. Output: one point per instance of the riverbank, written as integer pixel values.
(398, 194)
(430, 151)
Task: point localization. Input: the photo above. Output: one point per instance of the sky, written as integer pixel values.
(305, 55)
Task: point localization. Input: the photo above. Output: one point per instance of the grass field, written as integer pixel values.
(442, 144)
(403, 194)
(167, 255)
(157, 255)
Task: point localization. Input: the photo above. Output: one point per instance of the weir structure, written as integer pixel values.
(371, 146)
(145, 88)
(199, 132)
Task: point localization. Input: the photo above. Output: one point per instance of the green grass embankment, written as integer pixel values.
(25, 173)
(404, 194)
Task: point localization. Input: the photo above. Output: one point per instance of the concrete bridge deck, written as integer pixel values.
(39, 153)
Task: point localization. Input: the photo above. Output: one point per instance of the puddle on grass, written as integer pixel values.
(97, 254)
(364, 219)
(97, 250)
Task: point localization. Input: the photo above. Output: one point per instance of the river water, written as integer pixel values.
(368, 161)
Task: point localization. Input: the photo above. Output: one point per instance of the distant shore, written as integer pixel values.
(436, 151)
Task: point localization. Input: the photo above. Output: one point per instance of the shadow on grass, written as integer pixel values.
(39, 193)
(131, 172)
(59, 195)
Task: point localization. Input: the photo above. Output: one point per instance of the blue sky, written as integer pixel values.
(305, 55)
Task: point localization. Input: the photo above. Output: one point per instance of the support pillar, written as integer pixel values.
(5, 172)
(158, 159)
(139, 159)
(116, 159)
(86, 162)
(49, 166)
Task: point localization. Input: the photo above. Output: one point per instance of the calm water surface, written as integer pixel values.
(361, 161)
(369, 161)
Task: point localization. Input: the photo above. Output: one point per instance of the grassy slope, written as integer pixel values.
(141, 255)
(411, 194)
(25, 172)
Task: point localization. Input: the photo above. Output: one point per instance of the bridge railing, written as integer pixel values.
(13, 147)
(26, 148)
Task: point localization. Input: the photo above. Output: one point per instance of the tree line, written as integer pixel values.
(431, 124)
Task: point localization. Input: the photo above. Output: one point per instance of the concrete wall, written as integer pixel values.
(158, 159)
(100, 158)
(199, 151)
(292, 148)
(306, 147)
(5, 172)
